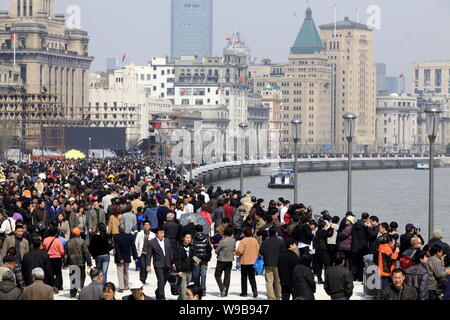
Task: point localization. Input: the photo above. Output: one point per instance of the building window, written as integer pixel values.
(18, 8)
(437, 77)
(185, 101)
(199, 101)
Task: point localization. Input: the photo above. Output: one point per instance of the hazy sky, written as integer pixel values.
(411, 30)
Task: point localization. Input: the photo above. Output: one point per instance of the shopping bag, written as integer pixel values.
(259, 266)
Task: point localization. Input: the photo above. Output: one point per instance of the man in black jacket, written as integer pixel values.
(203, 251)
(437, 240)
(405, 239)
(304, 235)
(360, 245)
(399, 290)
(161, 251)
(338, 279)
(172, 230)
(321, 255)
(287, 261)
(184, 263)
(37, 258)
(372, 234)
(270, 251)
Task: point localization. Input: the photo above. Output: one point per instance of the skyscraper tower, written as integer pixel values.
(191, 28)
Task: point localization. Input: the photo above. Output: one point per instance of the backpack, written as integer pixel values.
(407, 261)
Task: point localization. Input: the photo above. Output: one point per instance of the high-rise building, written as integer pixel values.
(431, 76)
(54, 66)
(381, 76)
(305, 85)
(111, 64)
(349, 46)
(191, 28)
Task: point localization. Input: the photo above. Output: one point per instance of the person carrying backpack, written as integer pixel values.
(407, 258)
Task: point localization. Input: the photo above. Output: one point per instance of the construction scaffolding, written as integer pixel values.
(36, 120)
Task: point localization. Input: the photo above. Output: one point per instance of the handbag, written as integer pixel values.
(259, 266)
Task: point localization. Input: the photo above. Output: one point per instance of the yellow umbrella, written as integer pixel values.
(75, 155)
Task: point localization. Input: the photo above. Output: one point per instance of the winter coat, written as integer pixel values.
(37, 259)
(76, 253)
(99, 245)
(38, 291)
(437, 273)
(53, 212)
(140, 241)
(320, 239)
(124, 248)
(372, 235)
(225, 249)
(93, 291)
(359, 238)
(94, 219)
(345, 238)
(207, 216)
(9, 291)
(338, 282)
(218, 215)
(113, 225)
(151, 215)
(202, 247)
(303, 234)
(10, 242)
(287, 261)
(417, 277)
(172, 230)
(386, 259)
(303, 283)
(247, 251)
(270, 251)
(405, 293)
(445, 248)
(183, 262)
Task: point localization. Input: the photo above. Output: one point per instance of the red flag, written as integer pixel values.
(218, 89)
(157, 125)
(239, 41)
(228, 38)
(401, 76)
(241, 79)
(184, 92)
(12, 38)
(124, 57)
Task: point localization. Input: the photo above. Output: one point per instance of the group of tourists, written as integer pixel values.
(81, 214)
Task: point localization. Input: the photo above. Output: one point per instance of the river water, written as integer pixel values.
(399, 195)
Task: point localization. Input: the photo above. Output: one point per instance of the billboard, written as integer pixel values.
(101, 138)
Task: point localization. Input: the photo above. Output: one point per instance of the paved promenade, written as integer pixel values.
(212, 288)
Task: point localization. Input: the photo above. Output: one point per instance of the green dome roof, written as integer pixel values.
(308, 40)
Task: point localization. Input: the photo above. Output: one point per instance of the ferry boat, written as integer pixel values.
(282, 178)
(422, 165)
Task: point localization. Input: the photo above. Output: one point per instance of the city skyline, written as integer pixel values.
(145, 28)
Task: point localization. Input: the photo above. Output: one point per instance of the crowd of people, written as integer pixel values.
(71, 214)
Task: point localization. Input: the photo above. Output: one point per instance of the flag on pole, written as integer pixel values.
(124, 57)
(218, 89)
(401, 76)
(183, 92)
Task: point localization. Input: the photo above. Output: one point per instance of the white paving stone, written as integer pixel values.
(213, 292)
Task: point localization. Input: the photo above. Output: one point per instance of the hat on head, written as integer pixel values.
(351, 219)
(71, 199)
(140, 218)
(437, 234)
(76, 231)
(410, 227)
(135, 285)
(26, 194)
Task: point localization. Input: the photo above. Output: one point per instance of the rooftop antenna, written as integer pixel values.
(357, 15)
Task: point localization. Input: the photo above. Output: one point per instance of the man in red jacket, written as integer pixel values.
(228, 209)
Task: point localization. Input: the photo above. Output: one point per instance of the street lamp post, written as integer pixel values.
(182, 160)
(192, 153)
(244, 127)
(89, 151)
(432, 118)
(296, 126)
(349, 130)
